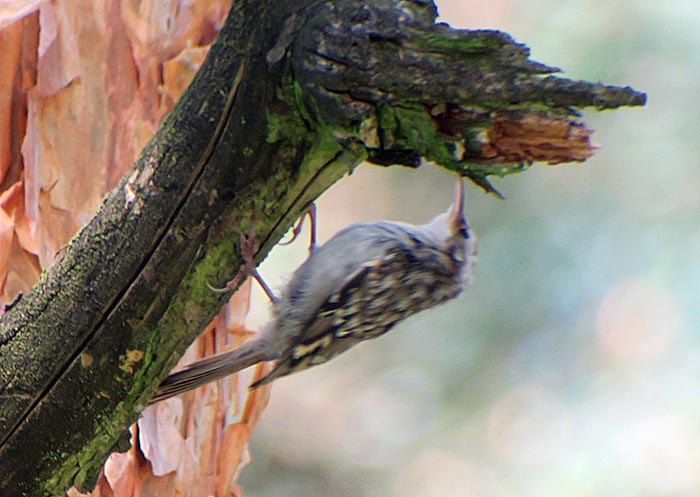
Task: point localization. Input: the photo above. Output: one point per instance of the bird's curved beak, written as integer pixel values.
(455, 216)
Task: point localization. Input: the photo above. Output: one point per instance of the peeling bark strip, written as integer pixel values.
(291, 97)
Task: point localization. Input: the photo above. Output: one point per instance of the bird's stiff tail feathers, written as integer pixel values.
(212, 368)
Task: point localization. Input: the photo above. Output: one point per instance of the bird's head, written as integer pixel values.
(451, 229)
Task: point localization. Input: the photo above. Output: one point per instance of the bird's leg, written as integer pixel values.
(263, 284)
(311, 212)
(249, 247)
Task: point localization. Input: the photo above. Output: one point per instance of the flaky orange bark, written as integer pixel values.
(70, 125)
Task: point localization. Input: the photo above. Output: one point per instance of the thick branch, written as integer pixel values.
(287, 102)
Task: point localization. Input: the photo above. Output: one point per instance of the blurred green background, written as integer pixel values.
(572, 366)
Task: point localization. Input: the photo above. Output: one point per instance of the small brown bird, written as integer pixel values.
(356, 286)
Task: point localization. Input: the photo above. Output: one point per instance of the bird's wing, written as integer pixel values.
(357, 311)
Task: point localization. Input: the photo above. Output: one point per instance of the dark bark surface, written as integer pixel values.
(289, 100)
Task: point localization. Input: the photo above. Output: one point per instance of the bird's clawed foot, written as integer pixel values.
(296, 230)
(249, 247)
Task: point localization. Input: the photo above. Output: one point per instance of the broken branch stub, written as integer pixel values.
(471, 101)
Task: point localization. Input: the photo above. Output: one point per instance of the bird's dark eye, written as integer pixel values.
(464, 232)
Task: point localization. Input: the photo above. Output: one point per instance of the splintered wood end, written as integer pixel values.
(531, 137)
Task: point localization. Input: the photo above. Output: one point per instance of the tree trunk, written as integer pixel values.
(292, 96)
